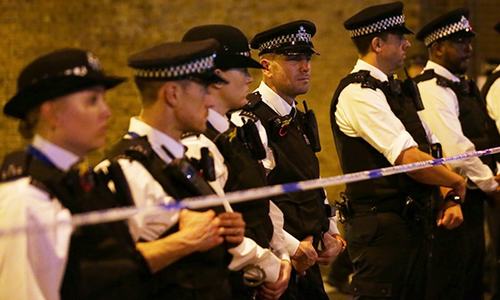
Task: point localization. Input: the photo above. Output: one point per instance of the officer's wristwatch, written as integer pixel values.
(454, 198)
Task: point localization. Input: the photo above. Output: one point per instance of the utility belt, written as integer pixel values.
(408, 208)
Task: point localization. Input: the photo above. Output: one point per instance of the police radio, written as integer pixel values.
(184, 173)
(311, 128)
(249, 136)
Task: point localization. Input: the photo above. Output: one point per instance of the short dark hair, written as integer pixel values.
(148, 89)
(362, 43)
(28, 124)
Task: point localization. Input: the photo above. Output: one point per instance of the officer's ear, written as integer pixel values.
(218, 85)
(376, 44)
(170, 93)
(49, 114)
(266, 63)
(437, 49)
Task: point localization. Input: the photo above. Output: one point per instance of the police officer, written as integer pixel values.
(456, 113)
(60, 104)
(172, 79)
(240, 148)
(375, 124)
(285, 53)
(491, 92)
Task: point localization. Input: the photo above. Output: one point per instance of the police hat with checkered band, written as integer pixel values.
(176, 61)
(233, 52)
(290, 39)
(450, 25)
(376, 19)
(56, 74)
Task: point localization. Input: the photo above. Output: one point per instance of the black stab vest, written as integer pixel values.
(305, 212)
(477, 125)
(489, 82)
(198, 270)
(103, 262)
(244, 173)
(358, 155)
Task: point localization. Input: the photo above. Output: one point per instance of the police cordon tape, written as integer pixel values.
(118, 214)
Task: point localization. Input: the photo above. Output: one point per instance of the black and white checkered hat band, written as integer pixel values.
(462, 25)
(286, 39)
(378, 26)
(199, 66)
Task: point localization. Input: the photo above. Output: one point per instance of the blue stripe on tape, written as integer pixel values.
(375, 173)
(437, 161)
(291, 187)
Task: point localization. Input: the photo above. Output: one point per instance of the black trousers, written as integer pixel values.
(446, 273)
(473, 210)
(309, 286)
(208, 293)
(389, 258)
(493, 216)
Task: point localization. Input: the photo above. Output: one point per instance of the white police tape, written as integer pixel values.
(118, 214)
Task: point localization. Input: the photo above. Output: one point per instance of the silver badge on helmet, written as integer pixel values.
(93, 61)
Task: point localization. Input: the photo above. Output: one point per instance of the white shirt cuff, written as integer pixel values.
(292, 244)
(249, 253)
(333, 229)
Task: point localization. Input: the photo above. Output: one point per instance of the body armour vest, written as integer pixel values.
(198, 270)
(477, 125)
(245, 172)
(489, 82)
(358, 155)
(305, 212)
(103, 262)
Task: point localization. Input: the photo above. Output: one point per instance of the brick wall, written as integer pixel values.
(114, 29)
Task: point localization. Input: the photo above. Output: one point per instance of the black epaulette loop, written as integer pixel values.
(253, 99)
(14, 166)
(189, 134)
(248, 114)
(366, 80)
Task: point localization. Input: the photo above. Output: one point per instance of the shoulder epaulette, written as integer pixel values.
(427, 75)
(189, 134)
(366, 80)
(136, 148)
(249, 114)
(15, 165)
(253, 99)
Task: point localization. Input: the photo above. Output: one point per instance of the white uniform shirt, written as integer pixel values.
(32, 265)
(146, 191)
(365, 113)
(282, 108)
(493, 100)
(441, 114)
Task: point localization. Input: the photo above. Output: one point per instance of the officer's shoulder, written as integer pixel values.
(14, 166)
(364, 78)
(135, 148)
(254, 99)
(248, 115)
